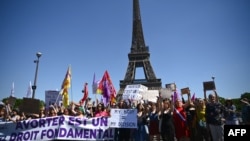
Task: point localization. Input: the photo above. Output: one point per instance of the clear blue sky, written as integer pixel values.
(189, 41)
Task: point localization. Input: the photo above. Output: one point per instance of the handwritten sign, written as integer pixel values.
(134, 92)
(123, 118)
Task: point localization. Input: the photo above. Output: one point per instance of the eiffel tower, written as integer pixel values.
(139, 57)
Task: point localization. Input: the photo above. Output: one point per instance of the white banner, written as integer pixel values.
(59, 127)
(123, 118)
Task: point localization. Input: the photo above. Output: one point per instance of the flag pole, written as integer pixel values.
(94, 87)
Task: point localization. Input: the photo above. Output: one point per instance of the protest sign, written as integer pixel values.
(11, 100)
(172, 86)
(185, 91)
(123, 118)
(134, 92)
(209, 85)
(166, 93)
(151, 95)
(30, 105)
(59, 127)
(52, 97)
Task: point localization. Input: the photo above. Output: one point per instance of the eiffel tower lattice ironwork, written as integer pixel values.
(139, 57)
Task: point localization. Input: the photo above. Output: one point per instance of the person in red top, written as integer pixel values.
(181, 129)
(100, 111)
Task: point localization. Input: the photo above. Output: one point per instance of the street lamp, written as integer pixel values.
(213, 78)
(38, 55)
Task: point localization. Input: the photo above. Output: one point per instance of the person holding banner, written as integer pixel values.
(15, 117)
(52, 111)
(123, 133)
(66, 112)
(100, 111)
(41, 113)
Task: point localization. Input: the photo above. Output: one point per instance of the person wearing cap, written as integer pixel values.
(245, 112)
(230, 113)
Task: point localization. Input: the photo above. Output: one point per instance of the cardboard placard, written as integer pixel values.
(171, 86)
(151, 95)
(30, 105)
(185, 90)
(209, 85)
(166, 93)
(11, 101)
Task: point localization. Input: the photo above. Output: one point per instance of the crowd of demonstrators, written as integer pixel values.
(166, 119)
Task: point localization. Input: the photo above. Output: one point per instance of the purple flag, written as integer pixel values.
(175, 97)
(193, 97)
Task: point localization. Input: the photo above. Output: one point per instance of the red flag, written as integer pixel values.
(85, 93)
(111, 88)
(106, 88)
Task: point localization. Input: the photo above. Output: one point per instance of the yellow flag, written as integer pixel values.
(65, 86)
(67, 80)
(65, 95)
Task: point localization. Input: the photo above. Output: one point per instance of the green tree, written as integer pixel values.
(245, 95)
